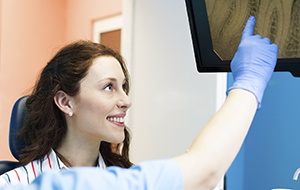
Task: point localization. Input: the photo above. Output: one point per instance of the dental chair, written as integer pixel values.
(15, 143)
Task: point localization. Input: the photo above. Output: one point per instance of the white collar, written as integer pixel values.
(53, 157)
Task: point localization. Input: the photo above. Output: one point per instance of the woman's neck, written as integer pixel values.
(68, 163)
(75, 153)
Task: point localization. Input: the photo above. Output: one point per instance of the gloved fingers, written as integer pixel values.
(274, 48)
(266, 41)
(256, 37)
(249, 27)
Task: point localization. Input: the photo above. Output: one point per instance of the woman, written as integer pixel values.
(76, 113)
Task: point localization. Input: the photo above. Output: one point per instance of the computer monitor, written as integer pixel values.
(216, 27)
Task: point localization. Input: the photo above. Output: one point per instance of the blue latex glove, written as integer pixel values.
(253, 64)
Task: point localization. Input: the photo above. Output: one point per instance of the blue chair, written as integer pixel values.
(15, 143)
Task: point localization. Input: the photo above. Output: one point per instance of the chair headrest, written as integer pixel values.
(16, 123)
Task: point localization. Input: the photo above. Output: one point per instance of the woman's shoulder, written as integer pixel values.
(15, 176)
(27, 173)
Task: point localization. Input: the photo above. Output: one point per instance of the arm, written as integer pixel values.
(208, 159)
(216, 146)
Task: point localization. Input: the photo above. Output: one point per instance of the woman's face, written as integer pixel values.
(101, 105)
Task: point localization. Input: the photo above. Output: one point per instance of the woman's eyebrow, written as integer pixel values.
(107, 79)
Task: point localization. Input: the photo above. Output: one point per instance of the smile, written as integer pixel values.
(116, 119)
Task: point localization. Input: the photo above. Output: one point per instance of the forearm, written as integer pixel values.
(218, 143)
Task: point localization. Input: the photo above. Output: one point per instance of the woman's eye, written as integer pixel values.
(108, 87)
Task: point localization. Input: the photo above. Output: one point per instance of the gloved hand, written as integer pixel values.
(253, 64)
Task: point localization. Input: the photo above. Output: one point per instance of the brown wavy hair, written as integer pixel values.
(45, 125)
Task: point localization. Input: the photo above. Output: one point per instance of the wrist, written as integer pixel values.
(245, 97)
(254, 90)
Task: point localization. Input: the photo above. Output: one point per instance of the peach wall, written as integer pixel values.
(31, 32)
(81, 14)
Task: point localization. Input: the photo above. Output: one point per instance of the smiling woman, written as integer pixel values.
(76, 112)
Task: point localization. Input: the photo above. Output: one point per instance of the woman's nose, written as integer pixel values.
(124, 101)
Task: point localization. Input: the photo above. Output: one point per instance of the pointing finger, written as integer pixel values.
(249, 27)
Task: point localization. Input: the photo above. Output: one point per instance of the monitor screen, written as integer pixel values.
(216, 27)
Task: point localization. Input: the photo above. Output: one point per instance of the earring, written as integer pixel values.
(70, 114)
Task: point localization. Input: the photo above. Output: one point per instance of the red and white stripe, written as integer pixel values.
(26, 174)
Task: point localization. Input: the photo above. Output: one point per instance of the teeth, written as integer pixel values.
(116, 119)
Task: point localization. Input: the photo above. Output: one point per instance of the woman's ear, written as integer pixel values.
(63, 102)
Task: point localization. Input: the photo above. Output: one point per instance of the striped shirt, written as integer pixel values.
(26, 174)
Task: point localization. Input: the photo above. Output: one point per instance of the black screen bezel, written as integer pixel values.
(206, 58)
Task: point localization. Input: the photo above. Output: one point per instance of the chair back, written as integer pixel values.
(15, 143)
(16, 123)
